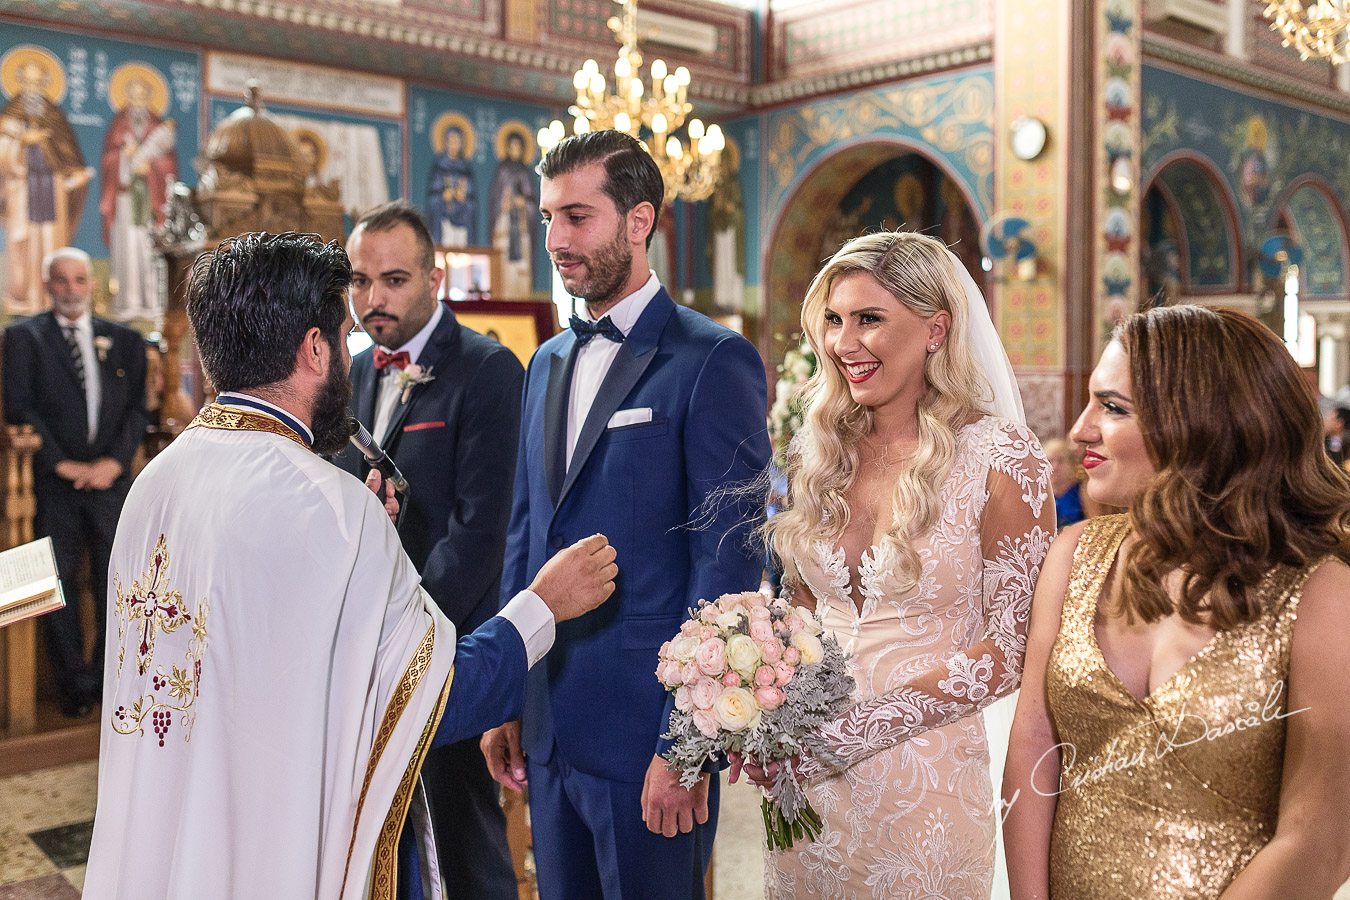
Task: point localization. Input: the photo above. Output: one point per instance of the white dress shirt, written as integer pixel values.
(93, 385)
(387, 393)
(594, 359)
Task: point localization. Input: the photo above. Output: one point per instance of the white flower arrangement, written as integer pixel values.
(785, 416)
(410, 377)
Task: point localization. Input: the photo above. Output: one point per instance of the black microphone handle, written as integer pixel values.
(376, 457)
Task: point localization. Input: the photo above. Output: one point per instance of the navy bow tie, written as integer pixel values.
(586, 331)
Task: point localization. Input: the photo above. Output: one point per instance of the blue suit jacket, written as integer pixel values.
(595, 698)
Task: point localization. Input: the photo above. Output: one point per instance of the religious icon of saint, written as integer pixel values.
(43, 178)
(138, 165)
(451, 198)
(513, 201)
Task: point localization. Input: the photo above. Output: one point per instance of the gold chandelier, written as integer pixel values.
(1320, 29)
(652, 115)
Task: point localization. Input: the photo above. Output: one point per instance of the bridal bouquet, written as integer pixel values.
(757, 677)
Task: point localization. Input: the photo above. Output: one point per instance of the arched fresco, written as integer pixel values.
(808, 221)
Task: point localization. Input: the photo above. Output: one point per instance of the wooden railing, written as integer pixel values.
(18, 642)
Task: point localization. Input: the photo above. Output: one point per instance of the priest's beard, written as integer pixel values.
(329, 419)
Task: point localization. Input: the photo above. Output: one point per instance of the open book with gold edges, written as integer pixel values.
(29, 585)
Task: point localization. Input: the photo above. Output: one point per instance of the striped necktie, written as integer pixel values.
(76, 354)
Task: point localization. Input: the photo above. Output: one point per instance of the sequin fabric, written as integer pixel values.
(1167, 796)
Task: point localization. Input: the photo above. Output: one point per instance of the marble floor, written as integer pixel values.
(46, 818)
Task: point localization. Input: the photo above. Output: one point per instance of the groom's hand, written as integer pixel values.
(505, 762)
(668, 808)
(578, 579)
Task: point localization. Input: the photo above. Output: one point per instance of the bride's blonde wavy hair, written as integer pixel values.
(919, 273)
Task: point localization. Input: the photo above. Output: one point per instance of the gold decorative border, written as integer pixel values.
(233, 419)
(398, 702)
(384, 872)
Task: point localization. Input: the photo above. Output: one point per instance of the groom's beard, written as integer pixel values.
(329, 417)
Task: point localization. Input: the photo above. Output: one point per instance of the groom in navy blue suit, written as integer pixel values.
(634, 423)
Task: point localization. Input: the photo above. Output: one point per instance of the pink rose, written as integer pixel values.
(779, 603)
(792, 656)
(683, 702)
(732, 679)
(706, 632)
(781, 629)
(664, 651)
(704, 693)
(689, 673)
(769, 697)
(771, 650)
(711, 657)
(689, 627)
(669, 673)
(759, 613)
(784, 673)
(760, 630)
(705, 722)
(708, 614)
(765, 676)
(794, 622)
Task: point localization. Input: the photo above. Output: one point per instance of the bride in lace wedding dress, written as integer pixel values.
(921, 511)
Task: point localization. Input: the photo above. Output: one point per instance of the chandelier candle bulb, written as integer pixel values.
(622, 122)
(659, 123)
(673, 149)
(659, 70)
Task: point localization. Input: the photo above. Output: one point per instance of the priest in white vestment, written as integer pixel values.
(276, 675)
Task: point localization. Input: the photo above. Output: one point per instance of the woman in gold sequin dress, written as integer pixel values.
(917, 527)
(1186, 707)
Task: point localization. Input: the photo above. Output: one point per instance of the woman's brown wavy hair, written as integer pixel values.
(1243, 482)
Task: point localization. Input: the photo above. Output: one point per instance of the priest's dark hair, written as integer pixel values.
(631, 175)
(388, 216)
(253, 298)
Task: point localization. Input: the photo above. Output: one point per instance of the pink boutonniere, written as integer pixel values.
(410, 377)
(102, 344)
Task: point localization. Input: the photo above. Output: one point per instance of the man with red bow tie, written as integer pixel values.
(444, 403)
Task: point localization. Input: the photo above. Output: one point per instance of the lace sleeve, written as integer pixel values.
(1015, 532)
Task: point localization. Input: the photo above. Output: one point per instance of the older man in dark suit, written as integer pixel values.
(444, 402)
(80, 382)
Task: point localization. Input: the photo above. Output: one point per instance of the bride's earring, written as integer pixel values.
(933, 347)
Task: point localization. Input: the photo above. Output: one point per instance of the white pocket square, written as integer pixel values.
(630, 417)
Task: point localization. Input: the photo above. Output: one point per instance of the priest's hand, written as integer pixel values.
(387, 494)
(667, 807)
(505, 761)
(578, 579)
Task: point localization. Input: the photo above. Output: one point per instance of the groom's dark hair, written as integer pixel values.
(251, 300)
(631, 175)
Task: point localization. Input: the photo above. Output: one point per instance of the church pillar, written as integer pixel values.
(1075, 68)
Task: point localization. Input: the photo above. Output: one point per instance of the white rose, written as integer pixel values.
(809, 646)
(743, 655)
(683, 647)
(808, 619)
(801, 367)
(731, 618)
(736, 710)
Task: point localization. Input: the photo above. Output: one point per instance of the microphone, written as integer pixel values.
(376, 456)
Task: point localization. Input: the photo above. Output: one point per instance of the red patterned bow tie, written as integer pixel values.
(399, 360)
